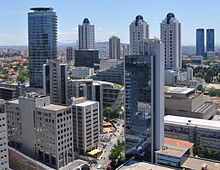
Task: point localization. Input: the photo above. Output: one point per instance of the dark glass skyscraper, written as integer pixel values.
(144, 102)
(42, 42)
(210, 40)
(200, 46)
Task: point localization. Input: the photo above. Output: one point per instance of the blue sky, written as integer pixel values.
(109, 17)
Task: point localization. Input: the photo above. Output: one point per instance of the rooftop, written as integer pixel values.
(86, 103)
(54, 107)
(41, 9)
(196, 163)
(193, 122)
(178, 142)
(13, 101)
(178, 90)
(174, 150)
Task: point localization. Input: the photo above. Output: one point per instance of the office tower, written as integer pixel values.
(87, 58)
(200, 46)
(42, 42)
(38, 129)
(139, 32)
(86, 130)
(86, 33)
(70, 55)
(210, 40)
(114, 47)
(55, 81)
(144, 102)
(170, 35)
(4, 162)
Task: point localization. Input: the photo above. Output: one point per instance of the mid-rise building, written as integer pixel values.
(200, 43)
(42, 42)
(86, 33)
(82, 72)
(4, 160)
(182, 101)
(11, 90)
(105, 64)
(87, 58)
(125, 50)
(189, 73)
(210, 40)
(55, 82)
(70, 55)
(170, 35)
(198, 131)
(114, 47)
(86, 125)
(139, 33)
(144, 102)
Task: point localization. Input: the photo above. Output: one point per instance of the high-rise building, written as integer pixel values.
(200, 46)
(86, 33)
(70, 55)
(42, 42)
(139, 32)
(55, 82)
(125, 50)
(114, 47)
(144, 102)
(210, 40)
(170, 35)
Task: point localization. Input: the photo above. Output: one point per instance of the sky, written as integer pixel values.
(110, 17)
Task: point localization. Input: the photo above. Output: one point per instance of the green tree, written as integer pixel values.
(208, 152)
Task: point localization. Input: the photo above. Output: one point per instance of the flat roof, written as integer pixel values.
(178, 142)
(178, 90)
(93, 152)
(53, 107)
(194, 122)
(196, 163)
(86, 103)
(135, 165)
(174, 150)
(13, 101)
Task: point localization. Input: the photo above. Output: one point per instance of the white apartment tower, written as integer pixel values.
(114, 47)
(139, 33)
(86, 33)
(170, 35)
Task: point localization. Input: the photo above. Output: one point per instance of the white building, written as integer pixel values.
(86, 33)
(114, 48)
(189, 73)
(139, 33)
(86, 126)
(82, 71)
(171, 77)
(170, 35)
(105, 64)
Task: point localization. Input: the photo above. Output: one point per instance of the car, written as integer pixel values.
(99, 167)
(104, 166)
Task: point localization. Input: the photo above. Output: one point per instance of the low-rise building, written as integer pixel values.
(182, 101)
(198, 131)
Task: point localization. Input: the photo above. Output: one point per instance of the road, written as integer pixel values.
(104, 160)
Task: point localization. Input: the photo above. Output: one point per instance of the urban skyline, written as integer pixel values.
(106, 26)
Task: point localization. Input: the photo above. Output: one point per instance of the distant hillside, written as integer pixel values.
(188, 49)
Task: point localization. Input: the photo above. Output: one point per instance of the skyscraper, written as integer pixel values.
(70, 55)
(42, 42)
(144, 102)
(170, 35)
(210, 40)
(86, 33)
(200, 46)
(114, 47)
(139, 32)
(55, 82)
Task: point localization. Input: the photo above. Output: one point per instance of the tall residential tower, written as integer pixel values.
(114, 47)
(86, 33)
(42, 42)
(200, 46)
(210, 40)
(139, 33)
(170, 35)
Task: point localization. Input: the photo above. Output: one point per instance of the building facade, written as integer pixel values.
(210, 40)
(170, 35)
(86, 33)
(200, 42)
(55, 82)
(70, 55)
(139, 33)
(42, 42)
(114, 47)
(144, 102)
(82, 72)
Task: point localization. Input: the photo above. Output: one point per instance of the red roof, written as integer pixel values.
(178, 142)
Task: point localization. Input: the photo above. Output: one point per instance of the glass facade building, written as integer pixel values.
(144, 102)
(42, 42)
(200, 46)
(210, 40)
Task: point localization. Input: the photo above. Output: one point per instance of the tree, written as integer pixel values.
(208, 152)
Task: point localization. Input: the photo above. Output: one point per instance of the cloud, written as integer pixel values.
(110, 33)
(73, 32)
